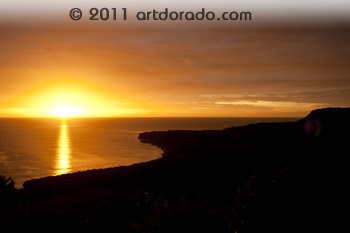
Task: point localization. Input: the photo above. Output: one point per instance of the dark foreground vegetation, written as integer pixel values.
(231, 180)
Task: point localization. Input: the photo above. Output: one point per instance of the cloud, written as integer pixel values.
(169, 67)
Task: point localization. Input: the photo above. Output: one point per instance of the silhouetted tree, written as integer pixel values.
(7, 191)
(6, 183)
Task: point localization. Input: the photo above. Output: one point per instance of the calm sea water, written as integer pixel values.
(32, 148)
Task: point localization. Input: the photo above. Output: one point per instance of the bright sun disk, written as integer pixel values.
(66, 111)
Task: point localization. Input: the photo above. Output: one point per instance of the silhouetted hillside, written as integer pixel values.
(231, 180)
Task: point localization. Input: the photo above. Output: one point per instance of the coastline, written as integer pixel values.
(232, 179)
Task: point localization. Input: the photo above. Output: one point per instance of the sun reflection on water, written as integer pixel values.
(63, 150)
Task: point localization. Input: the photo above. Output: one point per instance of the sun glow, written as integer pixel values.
(73, 98)
(66, 111)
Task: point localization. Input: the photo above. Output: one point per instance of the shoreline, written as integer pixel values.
(235, 178)
(164, 140)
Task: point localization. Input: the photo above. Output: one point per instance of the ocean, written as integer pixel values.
(36, 147)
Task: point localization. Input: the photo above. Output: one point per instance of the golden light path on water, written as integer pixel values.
(63, 150)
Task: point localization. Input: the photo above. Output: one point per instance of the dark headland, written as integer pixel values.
(266, 177)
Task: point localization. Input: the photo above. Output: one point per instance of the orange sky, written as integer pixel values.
(196, 70)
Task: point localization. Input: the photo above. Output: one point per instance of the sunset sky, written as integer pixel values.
(172, 70)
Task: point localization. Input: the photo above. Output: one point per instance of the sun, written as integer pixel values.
(65, 111)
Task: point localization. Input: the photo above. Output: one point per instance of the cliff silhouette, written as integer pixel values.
(231, 180)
